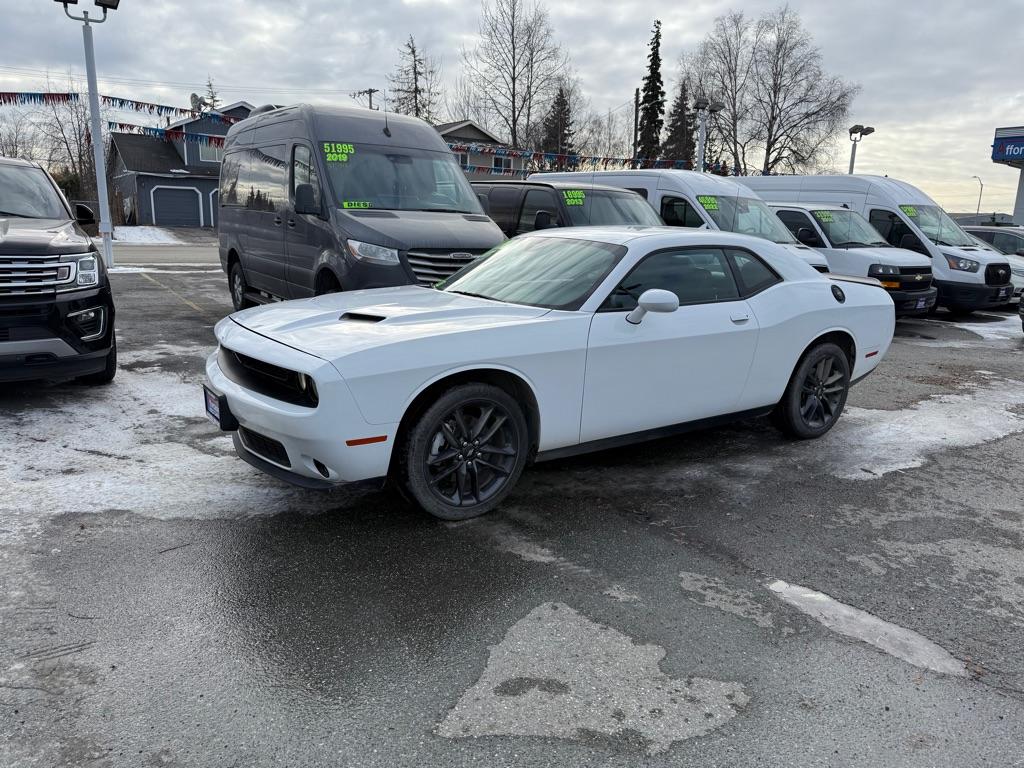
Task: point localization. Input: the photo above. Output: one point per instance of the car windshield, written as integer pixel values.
(847, 229)
(552, 272)
(397, 178)
(746, 216)
(937, 225)
(602, 207)
(26, 192)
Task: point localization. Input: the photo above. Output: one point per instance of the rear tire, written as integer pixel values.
(465, 454)
(816, 394)
(109, 371)
(238, 287)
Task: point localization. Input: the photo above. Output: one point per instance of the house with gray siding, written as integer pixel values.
(478, 158)
(171, 183)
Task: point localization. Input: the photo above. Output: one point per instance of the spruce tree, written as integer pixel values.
(680, 142)
(557, 131)
(414, 84)
(212, 96)
(652, 101)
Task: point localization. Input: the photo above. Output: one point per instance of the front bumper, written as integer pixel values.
(973, 295)
(913, 302)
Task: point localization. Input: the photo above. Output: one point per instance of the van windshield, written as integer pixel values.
(937, 225)
(397, 178)
(846, 229)
(746, 216)
(603, 207)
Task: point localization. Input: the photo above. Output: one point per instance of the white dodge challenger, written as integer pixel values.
(555, 343)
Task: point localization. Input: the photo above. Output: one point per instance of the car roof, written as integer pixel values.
(556, 184)
(18, 161)
(992, 227)
(700, 182)
(810, 206)
(663, 235)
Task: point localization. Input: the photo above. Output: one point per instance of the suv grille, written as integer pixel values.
(264, 446)
(915, 278)
(266, 378)
(28, 275)
(433, 265)
(993, 276)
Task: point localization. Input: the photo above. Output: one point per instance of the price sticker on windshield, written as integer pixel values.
(825, 217)
(910, 210)
(574, 196)
(336, 152)
(709, 202)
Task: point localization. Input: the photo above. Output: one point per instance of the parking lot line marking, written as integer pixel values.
(191, 304)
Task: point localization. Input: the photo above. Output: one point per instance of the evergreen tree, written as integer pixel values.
(652, 101)
(212, 96)
(557, 131)
(680, 140)
(414, 84)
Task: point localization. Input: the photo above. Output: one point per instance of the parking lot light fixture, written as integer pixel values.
(704, 108)
(857, 132)
(95, 131)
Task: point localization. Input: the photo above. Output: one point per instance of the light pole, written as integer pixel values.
(857, 133)
(704, 108)
(96, 133)
(981, 191)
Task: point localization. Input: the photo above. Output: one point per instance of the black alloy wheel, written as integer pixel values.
(816, 394)
(822, 393)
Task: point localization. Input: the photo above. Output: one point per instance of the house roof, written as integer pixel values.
(148, 154)
(222, 111)
(459, 128)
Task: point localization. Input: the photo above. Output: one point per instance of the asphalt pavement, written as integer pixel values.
(726, 598)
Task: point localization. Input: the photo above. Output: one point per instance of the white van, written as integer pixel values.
(853, 247)
(968, 277)
(691, 199)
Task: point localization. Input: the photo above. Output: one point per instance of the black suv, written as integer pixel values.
(56, 309)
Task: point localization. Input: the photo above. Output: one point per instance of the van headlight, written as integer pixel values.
(86, 265)
(962, 265)
(878, 270)
(375, 254)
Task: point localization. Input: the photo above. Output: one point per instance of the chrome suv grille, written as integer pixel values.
(997, 274)
(26, 275)
(433, 265)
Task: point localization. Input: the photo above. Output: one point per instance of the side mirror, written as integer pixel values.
(84, 215)
(305, 199)
(911, 243)
(653, 300)
(485, 203)
(806, 236)
(542, 220)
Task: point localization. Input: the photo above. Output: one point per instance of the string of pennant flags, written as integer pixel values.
(30, 98)
(168, 134)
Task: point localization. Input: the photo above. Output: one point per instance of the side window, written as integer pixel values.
(988, 237)
(268, 178)
(795, 220)
(304, 172)
(696, 276)
(232, 178)
(893, 228)
(503, 202)
(677, 212)
(537, 200)
(753, 274)
(640, 191)
(1007, 243)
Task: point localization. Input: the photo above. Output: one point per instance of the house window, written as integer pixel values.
(502, 163)
(463, 158)
(210, 154)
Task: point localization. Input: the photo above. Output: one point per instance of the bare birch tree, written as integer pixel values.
(20, 136)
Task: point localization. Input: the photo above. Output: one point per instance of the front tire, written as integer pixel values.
(109, 370)
(466, 452)
(238, 286)
(816, 394)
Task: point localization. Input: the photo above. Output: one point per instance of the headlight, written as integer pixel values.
(1018, 271)
(88, 270)
(877, 270)
(962, 265)
(375, 254)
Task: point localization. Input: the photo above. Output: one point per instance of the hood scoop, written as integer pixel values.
(361, 317)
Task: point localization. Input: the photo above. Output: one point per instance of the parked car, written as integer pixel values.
(690, 199)
(853, 247)
(968, 277)
(558, 342)
(1010, 242)
(56, 307)
(321, 199)
(519, 207)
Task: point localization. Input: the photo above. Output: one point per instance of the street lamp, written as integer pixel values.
(704, 108)
(858, 132)
(106, 232)
(981, 191)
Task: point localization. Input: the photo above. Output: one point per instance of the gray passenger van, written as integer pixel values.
(315, 200)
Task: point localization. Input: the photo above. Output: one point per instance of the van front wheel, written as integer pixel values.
(239, 288)
(326, 283)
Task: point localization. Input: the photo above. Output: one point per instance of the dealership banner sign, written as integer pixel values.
(1008, 149)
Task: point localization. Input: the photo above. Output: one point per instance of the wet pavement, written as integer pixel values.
(720, 599)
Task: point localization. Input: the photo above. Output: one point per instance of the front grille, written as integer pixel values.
(30, 275)
(997, 274)
(264, 447)
(915, 278)
(433, 265)
(267, 379)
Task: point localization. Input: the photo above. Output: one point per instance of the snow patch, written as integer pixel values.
(715, 593)
(143, 236)
(160, 271)
(1006, 327)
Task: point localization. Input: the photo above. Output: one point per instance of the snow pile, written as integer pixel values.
(1006, 327)
(143, 236)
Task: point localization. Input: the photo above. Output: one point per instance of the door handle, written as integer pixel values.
(291, 223)
(277, 220)
(739, 317)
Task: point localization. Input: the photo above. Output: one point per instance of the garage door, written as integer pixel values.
(176, 207)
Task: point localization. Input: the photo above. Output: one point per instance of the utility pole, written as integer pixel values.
(636, 125)
(981, 191)
(368, 93)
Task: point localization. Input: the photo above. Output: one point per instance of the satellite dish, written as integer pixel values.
(198, 102)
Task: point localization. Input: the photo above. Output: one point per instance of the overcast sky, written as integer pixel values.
(938, 76)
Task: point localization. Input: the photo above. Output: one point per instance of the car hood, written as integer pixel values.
(811, 256)
(41, 237)
(338, 324)
(897, 257)
(413, 230)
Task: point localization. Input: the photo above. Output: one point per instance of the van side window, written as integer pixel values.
(230, 176)
(537, 200)
(304, 172)
(695, 275)
(795, 221)
(677, 212)
(753, 274)
(262, 180)
(893, 228)
(503, 201)
(640, 191)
